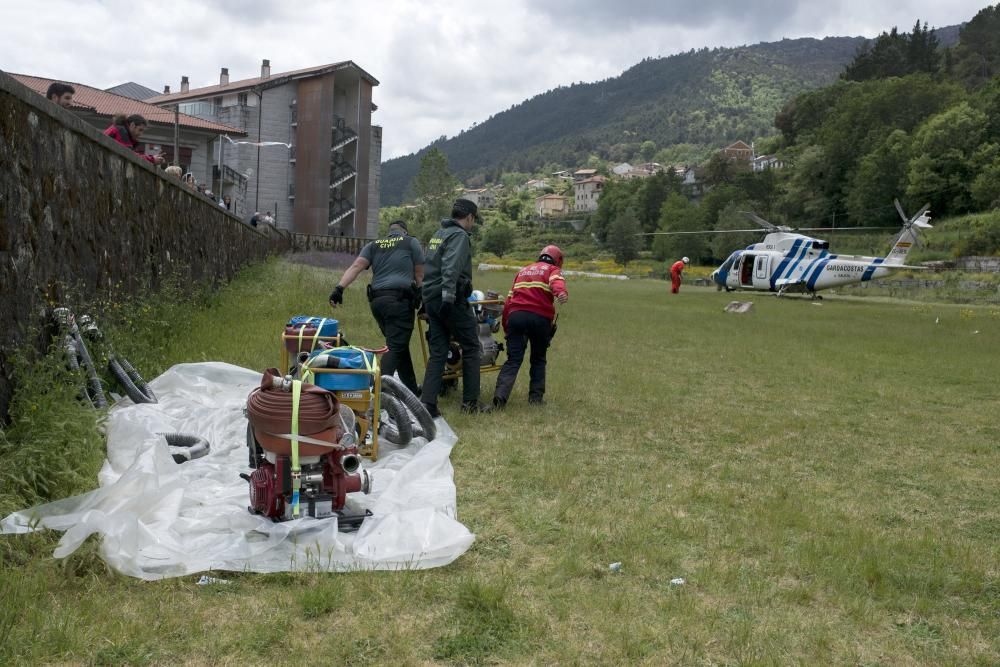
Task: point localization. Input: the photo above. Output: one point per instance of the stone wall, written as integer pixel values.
(978, 264)
(81, 215)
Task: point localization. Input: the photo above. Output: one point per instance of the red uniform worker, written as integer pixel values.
(528, 316)
(676, 273)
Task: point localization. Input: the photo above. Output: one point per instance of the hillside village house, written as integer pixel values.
(764, 162)
(686, 175)
(587, 194)
(534, 184)
(621, 169)
(738, 152)
(584, 174)
(551, 205)
(481, 197)
(196, 137)
(327, 181)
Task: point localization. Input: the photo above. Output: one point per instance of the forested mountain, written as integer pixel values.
(908, 118)
(703, 97)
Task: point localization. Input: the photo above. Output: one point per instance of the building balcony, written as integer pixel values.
(237, 115)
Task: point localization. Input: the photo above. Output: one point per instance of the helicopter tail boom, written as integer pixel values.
(907, 236)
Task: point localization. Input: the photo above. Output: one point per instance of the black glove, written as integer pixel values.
(337, 295)
(417, 300)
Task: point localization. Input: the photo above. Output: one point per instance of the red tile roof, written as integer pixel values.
(108, 104)
(207, 91)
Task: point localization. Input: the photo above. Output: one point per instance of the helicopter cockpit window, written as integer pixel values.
(821, 245)
(728, 264)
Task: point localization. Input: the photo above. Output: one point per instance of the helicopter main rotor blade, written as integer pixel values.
(840, 229)
(761, 221)
(705, 231)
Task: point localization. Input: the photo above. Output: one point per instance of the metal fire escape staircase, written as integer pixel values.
(341, 171)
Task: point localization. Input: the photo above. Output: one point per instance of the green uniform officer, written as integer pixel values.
(447, 286)
(397, 264)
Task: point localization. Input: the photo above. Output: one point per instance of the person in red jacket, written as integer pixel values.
(677, 273)
(529, 317)
(128, 131)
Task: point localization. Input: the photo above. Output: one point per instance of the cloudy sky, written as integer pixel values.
(442, 64)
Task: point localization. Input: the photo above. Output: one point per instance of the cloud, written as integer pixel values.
(442, 65)
(612, 16)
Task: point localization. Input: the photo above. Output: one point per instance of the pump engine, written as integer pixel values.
(328, 463)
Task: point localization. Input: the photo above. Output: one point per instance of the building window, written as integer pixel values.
(241, 99)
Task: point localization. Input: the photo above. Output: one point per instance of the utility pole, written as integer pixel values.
(177, 122)
(260, 118)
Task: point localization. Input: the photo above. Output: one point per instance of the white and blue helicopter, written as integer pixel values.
(787, 262)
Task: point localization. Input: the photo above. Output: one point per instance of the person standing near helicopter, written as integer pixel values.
(677, 274)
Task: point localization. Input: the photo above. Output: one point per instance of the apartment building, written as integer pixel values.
(311, 156)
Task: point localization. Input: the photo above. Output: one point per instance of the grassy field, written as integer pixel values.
(823, 477)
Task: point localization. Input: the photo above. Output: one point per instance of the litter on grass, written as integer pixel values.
(159, 519)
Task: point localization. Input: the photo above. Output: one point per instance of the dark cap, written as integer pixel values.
(400, 224)
(466, 207)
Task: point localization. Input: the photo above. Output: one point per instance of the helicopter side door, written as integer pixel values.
(761, 275)
(747, 262)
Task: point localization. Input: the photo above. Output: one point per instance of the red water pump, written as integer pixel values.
(328, 463)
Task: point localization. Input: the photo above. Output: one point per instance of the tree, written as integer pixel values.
(976, 58)
(986, 188)
(678, 215)
(512, 206)
(623, 237)
(647, 150)
(805, 197)
(498, 238)
(434, 186)
(896, 54)
(719, 169)
(880, 177)
(651, 195)
(943, 167)
(732, 217)
(616, 197)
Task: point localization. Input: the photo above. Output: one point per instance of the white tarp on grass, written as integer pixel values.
(161, 519)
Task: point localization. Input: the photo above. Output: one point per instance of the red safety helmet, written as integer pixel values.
(552, 252)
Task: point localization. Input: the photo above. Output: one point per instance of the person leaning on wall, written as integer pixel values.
(61, 93)
(127, 130)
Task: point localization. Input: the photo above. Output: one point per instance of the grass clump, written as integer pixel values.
(483, 624)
